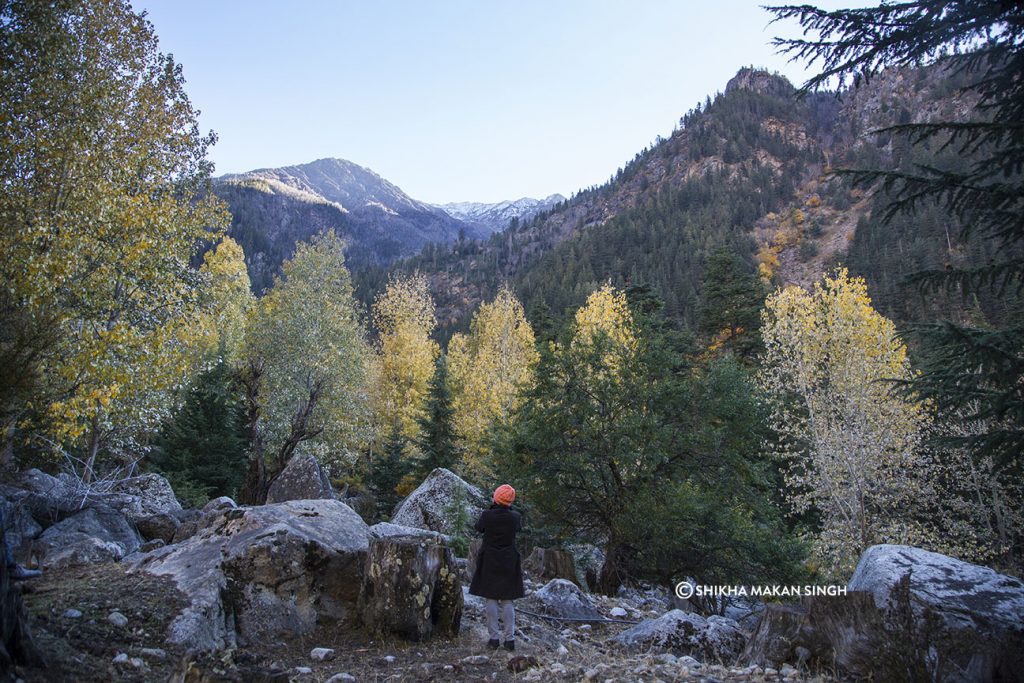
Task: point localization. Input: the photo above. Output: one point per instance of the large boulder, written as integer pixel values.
(411, 588)
(562, 598)
(96, 534)
(551, 563)
(713, 639)
(388, 529)
(439, 502)
(161, 526)
(47, 498)
(905, 609)
(254, 573)
(146, 495)
(967, 596)
(302, 479)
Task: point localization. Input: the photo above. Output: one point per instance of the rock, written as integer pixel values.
(96, 534)
(303, 671)
(153, 653)
(149, 494)
(562, 651)
(788, 671)
(117, 619)
(47, 498)
(714, 638)
(551, 563)
(433, 505)
(411, 588)
(149, 546)
(562, 598)
(904, 607)
(387, 529)
(72, 613)
(475, 659)
(967, 596)
(521, 663)
(121, 658)
(618, 612)
(588, 560)
(389, 659)
(261, 572)
(322, 654)
(302, 479)
(219, 505)
(160, 526)
(341, 678)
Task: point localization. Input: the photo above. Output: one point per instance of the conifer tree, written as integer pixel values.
(436, 442)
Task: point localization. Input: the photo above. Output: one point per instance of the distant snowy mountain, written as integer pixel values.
(496, 217)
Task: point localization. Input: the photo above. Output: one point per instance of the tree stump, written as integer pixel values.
(411, 588)
(16, 644)
(550, 563)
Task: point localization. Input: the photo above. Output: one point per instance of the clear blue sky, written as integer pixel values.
(467, 100)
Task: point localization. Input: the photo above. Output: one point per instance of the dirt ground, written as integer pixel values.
(86, 648)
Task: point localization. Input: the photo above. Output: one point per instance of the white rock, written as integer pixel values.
(563, 598)
(322, 654)
(788, 671)
(562, 651)
(117, 619)
(476, 659)
(390, 659)
(714, 638)
(343, 677)
(618, 612)
(121, 658)
(303, 670)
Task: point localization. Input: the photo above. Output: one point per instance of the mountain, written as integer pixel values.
(749, 170)
(273, 208)
(498, 216)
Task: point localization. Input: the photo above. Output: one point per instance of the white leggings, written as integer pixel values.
(508, 619)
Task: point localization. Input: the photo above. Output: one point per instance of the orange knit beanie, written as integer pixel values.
(504, 495)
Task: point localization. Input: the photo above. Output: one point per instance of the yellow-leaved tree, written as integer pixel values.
(103, 205)
(853, 444)
(227, 298)
(488, 371)
(404, 317)
(606, 315)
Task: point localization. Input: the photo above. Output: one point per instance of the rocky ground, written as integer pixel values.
(74, 619)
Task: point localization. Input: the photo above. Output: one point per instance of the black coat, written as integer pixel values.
(499, 571)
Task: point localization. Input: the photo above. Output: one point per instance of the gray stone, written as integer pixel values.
(262, 572)
(160, 526)
(967, 596)
(562, 598)
(302, 479)
(388, 529)
(154, 653)
(117, 619)
(148, 547)
(96, 534)
(433, 505)
(149, 494)
(618, 612)
(343, 677)
(322, 654)
(714, 638)
(72, 613)
(219, 504)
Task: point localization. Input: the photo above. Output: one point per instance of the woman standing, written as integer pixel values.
(499, 573)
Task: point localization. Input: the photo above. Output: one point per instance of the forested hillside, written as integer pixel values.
(748, 170)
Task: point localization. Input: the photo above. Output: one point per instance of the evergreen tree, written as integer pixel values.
(730, 313)
(436, 442)
(202, 448)
(387, 471)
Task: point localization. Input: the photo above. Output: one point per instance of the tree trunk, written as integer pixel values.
(254, 488)
(16, 643)
(615, 570)
(411, 588)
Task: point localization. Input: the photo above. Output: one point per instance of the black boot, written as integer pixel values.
(510, 645)
(493, 643)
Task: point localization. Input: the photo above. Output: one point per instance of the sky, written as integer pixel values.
(458, 100)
